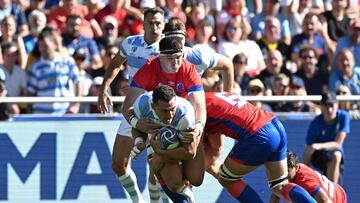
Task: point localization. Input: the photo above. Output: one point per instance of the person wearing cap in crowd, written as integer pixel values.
(109, 27)
(135, 50)
(170, 68)
(296, 88)
(351, 41)
(325, 138)
(257, 88)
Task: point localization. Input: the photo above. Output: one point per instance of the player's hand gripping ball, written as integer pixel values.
(169, 137)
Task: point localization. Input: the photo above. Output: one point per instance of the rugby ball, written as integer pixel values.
(169, 137)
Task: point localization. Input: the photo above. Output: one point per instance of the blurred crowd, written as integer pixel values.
(286, 47)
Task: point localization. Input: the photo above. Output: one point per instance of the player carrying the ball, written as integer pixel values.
(176, 114)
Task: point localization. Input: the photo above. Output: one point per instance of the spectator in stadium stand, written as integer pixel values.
(107, 53)
(325, 138)
(346, 72)
(73, 40)
(4, 107)
(235, 41)
(15, 76)
(121, 88)
(109, 27)
(198, 13)
(350, 106)
(274, 66)
(270, 41)
(204, 32)
(337, 21)
(311, 27)
(114, 8)
(240, 76)
(296, 13)
(257, 88)
(51, 75)
(8, 34)
(233, 9)
(57, 17)
(35, 54)
(316, 80)
(85, 78)
(271, 8)
(35, 5)
(7, 8)
(37, 22)
(351, 41)
(280, 87)
(296, 88)
(173, 9)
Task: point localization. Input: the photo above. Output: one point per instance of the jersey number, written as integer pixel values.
(231, 99)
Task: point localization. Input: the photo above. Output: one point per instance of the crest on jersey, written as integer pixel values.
(180, 87)
(134, 48)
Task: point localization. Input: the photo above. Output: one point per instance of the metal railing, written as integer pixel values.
(117, 99)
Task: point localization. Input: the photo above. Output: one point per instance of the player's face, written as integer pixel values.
(171, 63)
(165, 110)
(329, 111)
(153, 27)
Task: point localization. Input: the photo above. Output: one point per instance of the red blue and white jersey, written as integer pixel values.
(185, 81)
(312, 181)
(232, 116)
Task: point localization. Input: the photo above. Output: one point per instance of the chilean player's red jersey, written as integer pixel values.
(232, 116)
(312, 181)
(150, 76)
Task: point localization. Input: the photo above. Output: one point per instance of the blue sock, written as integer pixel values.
(243, 192)
(297, 194)
(175, 197)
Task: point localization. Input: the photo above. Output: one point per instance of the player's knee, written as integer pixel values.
(337, 157)
(119, 169)
(197, 180)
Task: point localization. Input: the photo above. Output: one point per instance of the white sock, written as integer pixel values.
(154, 193)
(128, 181)
(163, 195)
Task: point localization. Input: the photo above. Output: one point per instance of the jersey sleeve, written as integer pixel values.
(193, 81)
(202, 60)
(344, 122)
(142, 105)
(307, 181)
(123, 47)
(185, 116)
(144, 78)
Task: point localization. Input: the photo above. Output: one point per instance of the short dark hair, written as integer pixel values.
(45, 33)
(240, 59)
(174, 26)
(153, 11)
(306, 47)
(72, 17)
(163, 93)
(292, 159)
(171, 45)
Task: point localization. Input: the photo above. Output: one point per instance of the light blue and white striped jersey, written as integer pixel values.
(184, 116)
(52, 78)
(137, 52)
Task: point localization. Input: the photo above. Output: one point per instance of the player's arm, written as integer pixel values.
(336, 144)
(197, 99)
(274, 199)
(183, 152)
(225, 65)
(113, 69)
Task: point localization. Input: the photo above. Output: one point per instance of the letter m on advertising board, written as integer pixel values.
(43, 152)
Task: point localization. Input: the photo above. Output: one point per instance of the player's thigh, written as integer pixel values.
(276, 169)
(123, 143)
(236, 168)
(194, 169)
(171, 174)
(213, 146)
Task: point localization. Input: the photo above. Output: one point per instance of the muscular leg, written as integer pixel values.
(230, 177)
(213, 146)
(120, 165)
(333, 167)
(194, 169)
(276, 173)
